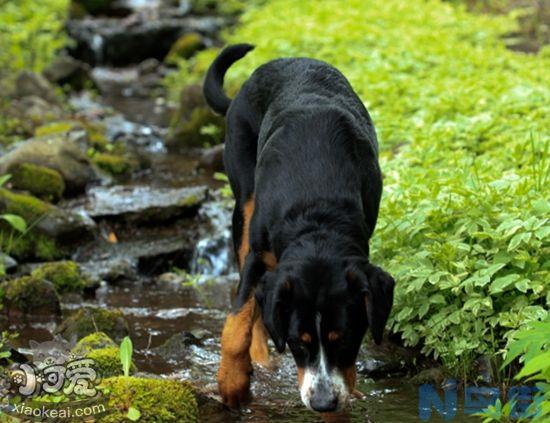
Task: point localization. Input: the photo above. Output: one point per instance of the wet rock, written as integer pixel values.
(192, 116)
(65, 70)
(64, 275)
(116, 165)
(144, 203)
(157, 400)
(212, 159)
(177, 346)
(122, 42)
(89, 320)
(148, 66)
(386, 359)
(29, 295)
(7, 263)
(110, 269)
(43, 182)
(31, 112)
(61, 153)
(434, 375)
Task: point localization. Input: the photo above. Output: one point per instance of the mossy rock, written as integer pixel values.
(185, 47)
(26, 206)
(29, 295)
(190, 132)
(93, 341)
(43, 182)
(157, 400)
(89, 320)
(57, 128)
(114, 164)
(65, 276)
(107, 362)
(32, 245)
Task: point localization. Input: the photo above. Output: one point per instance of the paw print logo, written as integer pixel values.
(18, 377)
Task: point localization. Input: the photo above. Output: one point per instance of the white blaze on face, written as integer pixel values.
(320, 377)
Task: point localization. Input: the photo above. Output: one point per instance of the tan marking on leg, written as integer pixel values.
(259, 351)
(244, 248)
(235, 366)
(349, 377)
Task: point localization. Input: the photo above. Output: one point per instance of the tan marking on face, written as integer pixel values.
(300, 376)
(333, 336)
(305, 337)
(269, 260)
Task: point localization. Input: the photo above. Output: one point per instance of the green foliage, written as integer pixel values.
(29, 40)
(531, 345)
(463, 131)
(126, 351)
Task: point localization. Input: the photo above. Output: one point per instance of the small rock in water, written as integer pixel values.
(177, 346)
(65, 70)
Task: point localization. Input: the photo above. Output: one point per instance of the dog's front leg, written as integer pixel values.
(236, 367)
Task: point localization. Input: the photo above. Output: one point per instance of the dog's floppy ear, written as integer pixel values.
(377, 287)
(273, 296)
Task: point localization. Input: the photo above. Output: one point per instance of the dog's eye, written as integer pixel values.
(334, 336)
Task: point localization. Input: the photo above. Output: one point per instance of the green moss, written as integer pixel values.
(115, 165)
(190, 134)
(55, 128)
(157, 400)
(26, 206)
(107, 361)
(89, 320)
(30, 245)
(185, 47)
(93, 341)
(29, 294)
(65, 275)
(41, 181)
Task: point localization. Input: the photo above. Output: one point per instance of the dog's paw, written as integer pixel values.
(234, 387)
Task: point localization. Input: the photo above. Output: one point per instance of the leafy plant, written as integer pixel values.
(464, 138)
(531, 345)
(126, 351)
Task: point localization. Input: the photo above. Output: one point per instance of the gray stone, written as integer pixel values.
(144, 203)
(60, 152)
(32, 84)
(65, 70)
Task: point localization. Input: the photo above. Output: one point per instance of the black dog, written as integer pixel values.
(301, 155)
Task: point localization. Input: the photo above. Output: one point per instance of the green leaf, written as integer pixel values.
(133, 414)
(126, 351)
(535, 365)
(16, 222)
(4, 179)
(499, 284)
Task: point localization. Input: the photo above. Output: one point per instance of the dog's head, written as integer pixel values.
(322, 310)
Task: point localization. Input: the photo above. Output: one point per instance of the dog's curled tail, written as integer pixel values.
(213, 83)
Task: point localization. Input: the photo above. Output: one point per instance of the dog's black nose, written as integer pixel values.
(323, 402)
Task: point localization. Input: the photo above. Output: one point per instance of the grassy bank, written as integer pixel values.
(464, 221)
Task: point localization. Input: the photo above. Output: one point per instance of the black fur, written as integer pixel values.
(300, 142)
